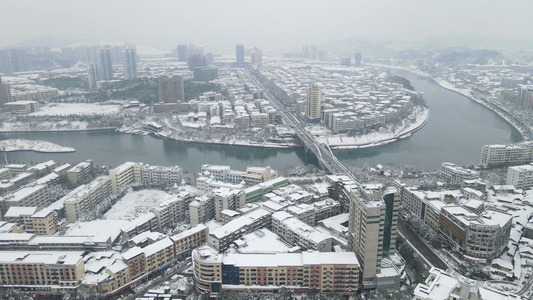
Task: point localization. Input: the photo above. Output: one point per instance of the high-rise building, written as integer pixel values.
(257, 56)
(346, 62)
(312, 110)
(13, 60)
(357, 59)
(323, 55)
(116, 54)
(105, 64)
(314, 53)
(196, 60)
(5, 63)
(372, 227)
(239, 53)
(130, 63)
(305, 52)
(171, 89)
(210, 58)
(92, 74)
(18, 60)
(5, 93)
(182, 53)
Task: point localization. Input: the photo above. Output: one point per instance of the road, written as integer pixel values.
(414, 240)
(322, 152)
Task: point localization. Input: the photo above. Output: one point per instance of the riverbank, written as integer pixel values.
(468, 93)
(228, 143)
(39, 146)
(464, 92)
(66, 130)
(417, 120)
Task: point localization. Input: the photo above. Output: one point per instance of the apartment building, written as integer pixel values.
(222, 237)
(452, 285)
(84, 198)
(19, 180)
(475, 238)
(80, 172)
(521, 177)
(202, 209)
(125, 175)
(43, 168)
(33, 220)
(255, 175)
(50, 179)
(324, 272)
(105, 271)
(227, 199)
(33, 196)
(219, 172)
(498, 155)
(39, 269)
(252, 175)
(209, 184)
(17, 168)
(454, 174)
(161, 174)
(298, 233)
(311, 214)
(255, 193)
(145, 260)
(173, 210)
(372, 228)
(5, 174)
(186, 241)
(62, 170)
(143, 223)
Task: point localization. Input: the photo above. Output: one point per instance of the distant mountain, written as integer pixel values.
(142, 50)
(349, 46)
(51, 42)
(56, 44)
(476, 42)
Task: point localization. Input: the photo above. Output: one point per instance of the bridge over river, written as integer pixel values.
(322, 151)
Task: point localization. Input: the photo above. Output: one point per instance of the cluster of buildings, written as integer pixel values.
(341, 262)
(211, 110)
(100, 68)
(14, 60)
(344, 99)
(253, 230)
(23, 97)
(308, 52)
(501, 155)
(478, 223)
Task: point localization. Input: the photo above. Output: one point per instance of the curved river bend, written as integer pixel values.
(456, 131)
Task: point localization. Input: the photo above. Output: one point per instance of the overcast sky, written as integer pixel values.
(266, 23)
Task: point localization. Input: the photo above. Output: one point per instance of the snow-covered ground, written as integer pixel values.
(409, 125)
(65, 109)
(134, 204)
(43, 126)
(33, 145)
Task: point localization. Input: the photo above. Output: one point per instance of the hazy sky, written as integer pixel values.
(266, 23)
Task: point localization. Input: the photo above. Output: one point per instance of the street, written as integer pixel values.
(414, 240)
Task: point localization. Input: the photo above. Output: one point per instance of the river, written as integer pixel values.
(456, 131)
